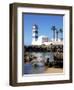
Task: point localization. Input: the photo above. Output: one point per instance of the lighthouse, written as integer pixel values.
(34, 33)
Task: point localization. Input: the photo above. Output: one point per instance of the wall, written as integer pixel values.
(4, 46)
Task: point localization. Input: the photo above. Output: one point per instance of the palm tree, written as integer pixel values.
(57, 35)
(53, 29)
(61, 31)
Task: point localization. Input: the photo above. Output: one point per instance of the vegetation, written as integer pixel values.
(53, 29)
(43, 48)
(56, 31)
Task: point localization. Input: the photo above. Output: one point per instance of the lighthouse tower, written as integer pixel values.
(34, 33)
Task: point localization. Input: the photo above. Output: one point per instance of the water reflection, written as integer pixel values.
(29, 69)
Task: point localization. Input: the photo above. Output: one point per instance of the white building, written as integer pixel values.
(42, 40)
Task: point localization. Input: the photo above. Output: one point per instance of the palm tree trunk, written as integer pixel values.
(54, 35)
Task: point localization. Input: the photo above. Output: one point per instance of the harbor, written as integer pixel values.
(44, 55)
(42, 62)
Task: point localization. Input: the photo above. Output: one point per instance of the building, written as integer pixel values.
(43, 40)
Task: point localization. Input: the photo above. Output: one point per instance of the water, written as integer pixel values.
(29, 69)
(37, 65)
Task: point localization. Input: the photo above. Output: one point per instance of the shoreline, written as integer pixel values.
(53, 70)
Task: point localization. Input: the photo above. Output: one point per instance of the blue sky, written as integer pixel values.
(44, 22)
